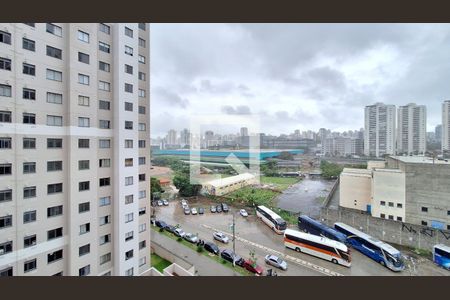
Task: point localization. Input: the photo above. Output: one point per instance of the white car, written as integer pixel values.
(221, 237)
(275, 261)
(165, 202)
(183, 203)
(243, 213)
(190, 238)
(179, 232)
(193, 211)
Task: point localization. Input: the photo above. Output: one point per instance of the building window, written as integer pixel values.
(128, 32)
(104, 143)
(448, 212)
(102, 66)
(104, 47)
(424, 209)
(142, 160)
(399, 205)
(142, 26)
(28, 94)
(129, 217)
(128, 124)
(83, 36)
(142, 261)
(142, 245)
(103, 104)
(5, 143)
(29, 241)
(142, 194)
(128, 50)
(141, 177)
(128, 106)
(83, 186)
(105, 258)
(54, 52)
(85, 228)
(128, 69)
(399, 219)
(141, 93)
(83, 57)
(104, 201)
(391, 217)
(382, 203)
(29, 118)
(5, 195)
(83, 143)
(105, 239)
(141, 76)
(54, 143)
(5, 169)
(391, 204)
(29, 143)
(29, 216)
(54, 256)
(54, 211)
(128, 162)
(105, 220)
(129, 180)
(5, 37)
(104, 124)
(83, 165)
(142, 227)
(142, 211)
(129, 272)
(141, 110)
(54, 233)
(54, 98)
(83, 79)
(141, 143)
(129, 144)
(129, 199)
(54, 120)
(54, 75)
(56, 165)
(104, 28)
(54, 188)
(104, 86)
(29, 192)
(142, 43)
(7, 272)
(83, 100)
(128, 236)
(85, 249)
(29, 265)
(29, 69)
(104, 162)
(129, 254)
(84, 271)
(5, 116)
(383, 216)
(104, 181)
(128, 88)
(53, 29)
(424, 223)
(5, 90)
(83, 122)
(5, 64)
(28, 44)
(5, 222)
(29, 167)
(141, 59)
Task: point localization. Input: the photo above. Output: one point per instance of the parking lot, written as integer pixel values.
(254, 235)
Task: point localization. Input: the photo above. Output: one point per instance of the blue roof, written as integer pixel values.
(239, 153)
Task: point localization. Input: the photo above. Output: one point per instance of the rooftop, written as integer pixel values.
(420, 160)
(230, 180)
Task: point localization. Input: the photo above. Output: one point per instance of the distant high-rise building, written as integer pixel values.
(446, 125)
(171, 138)
(244, 131)
(379, 132)
(185, 137)
(438, 133)
(412, 129)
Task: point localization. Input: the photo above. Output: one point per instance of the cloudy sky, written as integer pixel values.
(295, 76)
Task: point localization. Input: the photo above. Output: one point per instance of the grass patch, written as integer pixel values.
(423, 252)
(280, 183)
(252, 196)
(159, 263)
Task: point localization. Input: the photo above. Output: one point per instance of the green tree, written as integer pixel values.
(155, 187)
(186, 189)
(269, 168)
(330, 170)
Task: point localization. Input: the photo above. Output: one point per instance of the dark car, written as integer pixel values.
(213, 209)
(201, 211)
(211, 247)
(230, 255)
(254, 268)
(170, 228)
(219, 208)
(225, 207)
(160, 224)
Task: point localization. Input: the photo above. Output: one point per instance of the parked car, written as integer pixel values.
(170, 228)
(221, 237)
(193, 211)
(219, 208)
(243, 213)
(165, 202)
(225, 207)
(211, 247)
(275, 261)
(201, 211)
(187, 211)
(160, 224)
(183, 202)
(213, 209)
(254, 268)
(160, 203)
(179, 232)
(229, 255)
(190, 238)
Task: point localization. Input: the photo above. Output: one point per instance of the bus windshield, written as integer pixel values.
(281, 224)
(396, 259)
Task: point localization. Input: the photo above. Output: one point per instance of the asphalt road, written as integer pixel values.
(255, 235)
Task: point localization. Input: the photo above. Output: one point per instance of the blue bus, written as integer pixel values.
(441, 256)
(315, 227)
(377, 250)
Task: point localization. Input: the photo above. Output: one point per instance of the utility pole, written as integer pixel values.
(234, 240)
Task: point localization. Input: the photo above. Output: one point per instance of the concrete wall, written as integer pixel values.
(170, 256)
(388, 194)
(394, 232)
(355, 189)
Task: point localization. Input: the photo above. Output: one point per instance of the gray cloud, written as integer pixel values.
(238, 110)
(170, 98)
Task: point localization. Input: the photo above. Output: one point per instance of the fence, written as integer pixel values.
(415, 236)
(331, 193)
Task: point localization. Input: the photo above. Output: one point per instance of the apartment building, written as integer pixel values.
(446, 125)
(74, 162)
(379, 131)
(412, 129)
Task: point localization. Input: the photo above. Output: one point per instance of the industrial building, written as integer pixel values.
(222, 186)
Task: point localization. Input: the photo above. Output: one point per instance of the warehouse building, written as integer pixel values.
(222, 186)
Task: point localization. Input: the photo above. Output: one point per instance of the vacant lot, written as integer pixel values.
(280, 183)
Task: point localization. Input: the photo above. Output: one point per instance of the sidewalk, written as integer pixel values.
(204, 265)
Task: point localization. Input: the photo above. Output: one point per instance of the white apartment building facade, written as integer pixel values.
(74, 156)
(379, 131)
(446, 125)
(412, 129)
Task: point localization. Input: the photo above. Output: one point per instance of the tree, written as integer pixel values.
(269, 168)
(155, 187)
(330, 170)
(185, 188)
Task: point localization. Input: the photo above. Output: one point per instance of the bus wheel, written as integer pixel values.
(334, 261)
(298, 249)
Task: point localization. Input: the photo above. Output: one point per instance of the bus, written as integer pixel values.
(441, 256)
(273, 220)
(310, 225)
(318, 246)
(377, 250)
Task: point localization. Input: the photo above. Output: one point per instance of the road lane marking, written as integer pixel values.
(286, 256)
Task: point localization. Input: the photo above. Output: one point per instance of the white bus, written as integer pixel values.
(273, 220)
(318, 246)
